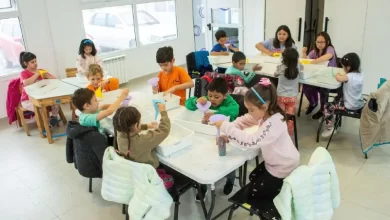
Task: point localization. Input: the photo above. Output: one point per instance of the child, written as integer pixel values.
(239, 61)
(138, 147)
(352, 99)
(281, 41)
(288, 85)
(95, 77)
(279, 153)
(91, 115)
(87, 56)
(173, 79)
(221, 48)
(323, 51)
(29, 76)
(220, 100)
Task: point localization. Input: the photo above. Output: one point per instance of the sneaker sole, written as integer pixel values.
(204, 199)
(329, 135)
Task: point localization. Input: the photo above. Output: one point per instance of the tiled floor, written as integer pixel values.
(37, 183)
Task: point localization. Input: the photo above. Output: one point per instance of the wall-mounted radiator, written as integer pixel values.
(115, 66)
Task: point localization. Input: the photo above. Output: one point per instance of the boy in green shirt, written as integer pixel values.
(221, 101)
(239, 61)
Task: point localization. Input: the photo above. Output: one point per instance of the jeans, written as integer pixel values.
(311, 93)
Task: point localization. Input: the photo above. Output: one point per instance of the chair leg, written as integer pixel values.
(244, 176)
(231, 212)
(90, 185)
(295, 133)
(257, 161)
(319, 129)
(127, 213)
(62, 116)
(23, 121)
(338, 118)
(177, 204)
(18, 118)
(300, 104)
(124, 209)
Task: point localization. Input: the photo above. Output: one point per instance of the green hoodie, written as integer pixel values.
(228, 107)
(234, 71)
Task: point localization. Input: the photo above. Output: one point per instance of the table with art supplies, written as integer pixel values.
(45, 93)
(191, 153)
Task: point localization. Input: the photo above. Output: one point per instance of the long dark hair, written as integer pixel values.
(289, 42)
(124, 120)
(290, 59)
(83, 44)
(25, 57)
(352, 61)
(328, 43)
(268, 94)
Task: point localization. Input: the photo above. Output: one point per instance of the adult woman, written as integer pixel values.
(281, 41)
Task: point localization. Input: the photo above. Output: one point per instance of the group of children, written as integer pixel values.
(267, 105)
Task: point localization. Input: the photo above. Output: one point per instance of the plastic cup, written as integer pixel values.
(126, 101)
(153, 81)
(222, 146)
(204, 108)
(217, 117)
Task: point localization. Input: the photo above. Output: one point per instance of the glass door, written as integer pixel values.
(224, 15)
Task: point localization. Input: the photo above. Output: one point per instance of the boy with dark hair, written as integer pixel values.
(239, 62)
(222, 48)
(173, 79)
(85, 101)
(223, 104)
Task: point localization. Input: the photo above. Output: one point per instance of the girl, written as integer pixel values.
(281, 41)
(29, 76)
(87, 56)
(279, 153)
(352, 99)
(138, 147)
(323, 51)
(288, 85)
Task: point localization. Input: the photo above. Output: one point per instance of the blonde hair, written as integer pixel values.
(94, 69)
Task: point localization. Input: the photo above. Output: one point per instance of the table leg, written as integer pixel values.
(46, 123)
(240, 177)
(210, 212)
(62, 116)
(38, 118)
(300, 104)
(201, 196)
(244, 176)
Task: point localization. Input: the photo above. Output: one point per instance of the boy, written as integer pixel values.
(95, 77)
(220, 49)
(85, 101)
(239, 61)
(173, 79)
(224, 104)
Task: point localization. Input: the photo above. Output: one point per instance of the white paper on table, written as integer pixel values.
(42, 87)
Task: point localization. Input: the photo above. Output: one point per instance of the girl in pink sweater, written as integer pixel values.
(278, 151)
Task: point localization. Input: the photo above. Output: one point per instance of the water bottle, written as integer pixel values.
(222, 146)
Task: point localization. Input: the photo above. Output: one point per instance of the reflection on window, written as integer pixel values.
(5, 4)
(110, 28)
(225, 15)
(156, 22)
(11, 44)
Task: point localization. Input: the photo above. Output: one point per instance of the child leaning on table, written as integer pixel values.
(288, 86)
(138, 147)
(30, 75)
(239, 61)
(172, 79)
(95, 77)
(279, 153)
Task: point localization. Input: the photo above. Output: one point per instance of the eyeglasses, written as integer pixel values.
(320, 42)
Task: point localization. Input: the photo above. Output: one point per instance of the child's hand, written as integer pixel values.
(152, 125)
(202, 100)
(207, 116)
(124, 93)
(222, 136)
(161, 107)
(170, 91)
(103, 83)
(155, 89)
(257, 68)
(218, 124)
(304, 51)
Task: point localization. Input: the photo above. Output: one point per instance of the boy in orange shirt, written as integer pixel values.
(95, 77)
(173, 79)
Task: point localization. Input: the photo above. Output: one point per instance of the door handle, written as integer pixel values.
(326, 24)
(299, 29)
(209, 26)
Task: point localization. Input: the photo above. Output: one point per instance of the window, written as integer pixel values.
(5, 4)
(110, 28)
(11, 44)
(156, 22)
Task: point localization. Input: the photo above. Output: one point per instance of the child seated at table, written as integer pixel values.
(95, 77)
(139, 147)
(221, 101)
(279, 153)
(239, 61)
(352, 96)
(172, 79)
(85, 100)
(222, 48)
(30, 75)
(288, 87)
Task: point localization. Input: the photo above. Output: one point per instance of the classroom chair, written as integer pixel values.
(197, 65)
(71, 72)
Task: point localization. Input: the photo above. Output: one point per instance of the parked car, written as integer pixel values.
(11, 42)
(114, 28)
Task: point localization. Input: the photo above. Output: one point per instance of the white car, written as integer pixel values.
(114, 29)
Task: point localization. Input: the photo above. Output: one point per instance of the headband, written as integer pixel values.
(87, 41)
(264, 82)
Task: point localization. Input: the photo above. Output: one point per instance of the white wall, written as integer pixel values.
(53, 30)
(254, 15)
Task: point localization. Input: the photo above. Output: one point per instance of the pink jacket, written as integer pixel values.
(13, 99)
(279, 153)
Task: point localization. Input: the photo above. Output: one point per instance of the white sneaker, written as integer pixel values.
(328, 132)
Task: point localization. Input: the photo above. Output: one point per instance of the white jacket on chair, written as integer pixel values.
(310, 192)
(135, 184)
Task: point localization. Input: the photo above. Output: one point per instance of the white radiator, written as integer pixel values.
(115, 66)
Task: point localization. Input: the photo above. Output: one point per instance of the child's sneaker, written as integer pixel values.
(317, 115)
(53, 121)
(328, 132)
(310, 109)
(228, 188)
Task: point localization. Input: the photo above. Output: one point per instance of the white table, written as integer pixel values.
(45, 93)
(201, 162)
